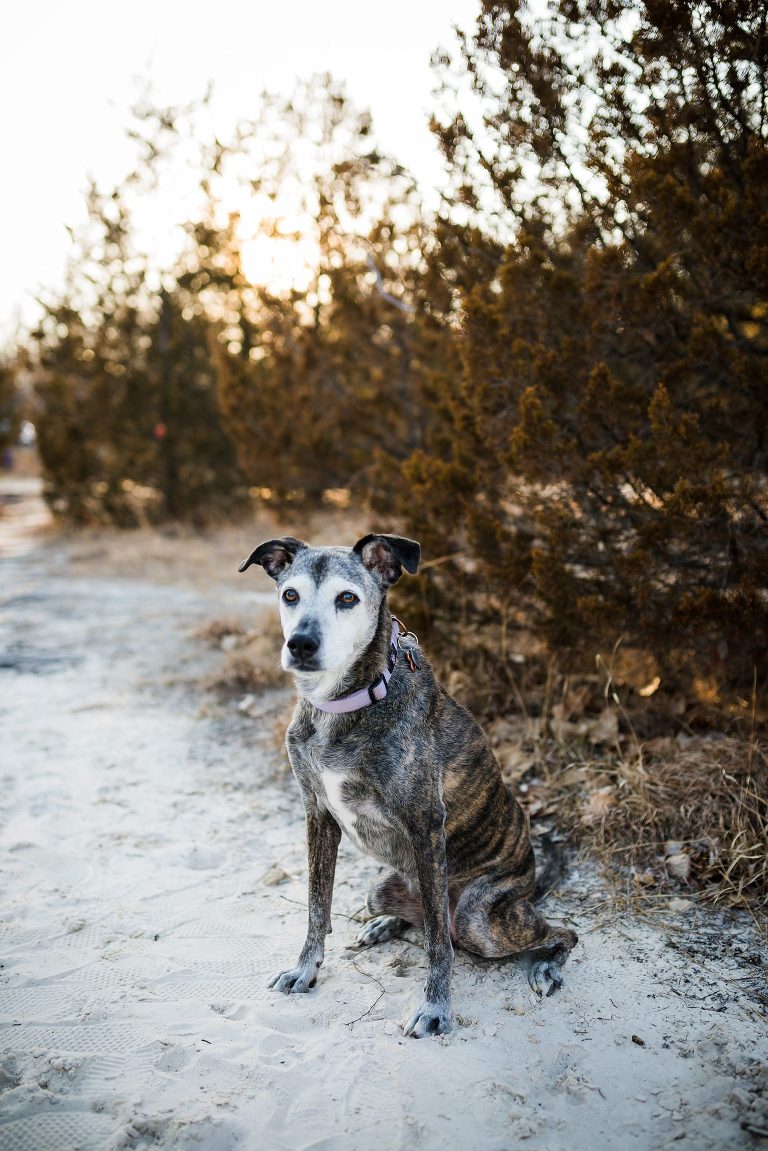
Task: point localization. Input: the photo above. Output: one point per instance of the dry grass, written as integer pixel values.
(180, 554)
(691, 818)
(214, 632)
(668, 818)
(248, 674)
(251, 660)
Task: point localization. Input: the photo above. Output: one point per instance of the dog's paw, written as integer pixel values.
(545, 976)
(297, 981)
(429, 1019)
(379, 930)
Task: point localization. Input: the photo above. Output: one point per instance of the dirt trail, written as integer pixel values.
(140, 920)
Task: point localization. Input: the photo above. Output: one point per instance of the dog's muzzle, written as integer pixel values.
(303, 647)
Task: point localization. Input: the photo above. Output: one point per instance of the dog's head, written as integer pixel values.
(330, 598)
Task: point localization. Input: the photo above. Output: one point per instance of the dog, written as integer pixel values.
(382, 752)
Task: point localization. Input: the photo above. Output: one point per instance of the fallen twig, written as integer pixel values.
(368, 975)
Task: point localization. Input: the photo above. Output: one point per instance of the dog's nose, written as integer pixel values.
(303, 644)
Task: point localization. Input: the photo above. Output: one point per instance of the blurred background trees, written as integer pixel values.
(317, 381)
(9, 407)
(128, 418)
(558, 383)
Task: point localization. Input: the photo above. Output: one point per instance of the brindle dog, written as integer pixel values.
(405, 771)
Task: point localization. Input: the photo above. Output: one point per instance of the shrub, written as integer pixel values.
(604, 447)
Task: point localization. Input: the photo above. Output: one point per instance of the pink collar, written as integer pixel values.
(377, 690)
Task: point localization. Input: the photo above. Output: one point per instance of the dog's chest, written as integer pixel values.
(340, 778)
(350, 813)
(359, 813)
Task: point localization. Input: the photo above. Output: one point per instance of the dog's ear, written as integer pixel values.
(386, 556)
(274, 555)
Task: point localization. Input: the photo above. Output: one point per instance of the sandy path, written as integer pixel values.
(137, 935)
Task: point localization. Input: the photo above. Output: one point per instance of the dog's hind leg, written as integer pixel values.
(493, 920)
(394, 906)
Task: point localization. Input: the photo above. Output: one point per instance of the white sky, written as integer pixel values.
(68, 72)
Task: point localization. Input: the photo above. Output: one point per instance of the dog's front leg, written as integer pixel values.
(323, 837)
(433, 1016)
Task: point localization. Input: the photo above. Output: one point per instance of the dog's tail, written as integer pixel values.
(550, 865)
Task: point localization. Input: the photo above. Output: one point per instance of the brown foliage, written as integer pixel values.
(10, 405)
(604, 448)
(315, 384)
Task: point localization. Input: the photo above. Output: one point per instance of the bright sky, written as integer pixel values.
(69, 71)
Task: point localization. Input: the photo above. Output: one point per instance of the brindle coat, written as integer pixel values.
(414, 783)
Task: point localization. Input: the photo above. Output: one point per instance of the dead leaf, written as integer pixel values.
(457, 682)
(662, 746)
(502, 731)
(274, 876)
(514, 762)
(572, 777)
(599, 805)
(604, 729)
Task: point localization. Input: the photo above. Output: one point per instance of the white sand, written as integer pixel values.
(137, 933)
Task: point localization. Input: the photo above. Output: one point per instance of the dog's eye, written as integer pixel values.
(290, 595)
(347, 599)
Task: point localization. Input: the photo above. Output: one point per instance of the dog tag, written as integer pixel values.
(408, 644)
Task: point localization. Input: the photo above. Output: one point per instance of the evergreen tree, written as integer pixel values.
(9, 406)
(127, 410)
(316, 381)
(605, 446)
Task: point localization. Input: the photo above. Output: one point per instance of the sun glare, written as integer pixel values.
(279, 263)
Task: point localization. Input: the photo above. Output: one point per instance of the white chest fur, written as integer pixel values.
(345, 814)
(366, 823)
(340, 810)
